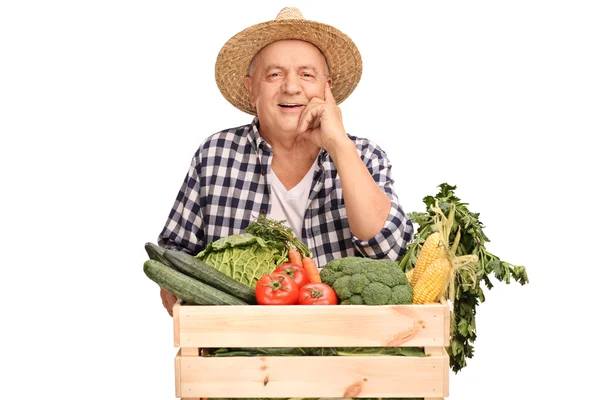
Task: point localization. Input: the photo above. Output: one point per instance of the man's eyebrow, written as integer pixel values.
(311, 67)
(277, 66)
(273, 66)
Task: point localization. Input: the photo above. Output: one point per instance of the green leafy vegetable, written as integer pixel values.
(468, 292)
(317, 351)
(244, 257)
(276, 231)
(359, 280)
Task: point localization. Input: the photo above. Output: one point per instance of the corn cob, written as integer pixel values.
(431, 251)
(409, 274)
(432, 285)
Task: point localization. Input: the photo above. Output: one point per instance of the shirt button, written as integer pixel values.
(262, 171)
(263, 212)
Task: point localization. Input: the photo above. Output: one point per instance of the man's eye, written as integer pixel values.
(308, 75)
(275, 74)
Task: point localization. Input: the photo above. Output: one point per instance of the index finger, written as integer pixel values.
(329, 95)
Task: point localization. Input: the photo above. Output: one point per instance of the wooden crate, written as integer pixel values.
(198, 327)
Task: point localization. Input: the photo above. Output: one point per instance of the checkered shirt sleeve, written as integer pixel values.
(223, 191)
(327, 229)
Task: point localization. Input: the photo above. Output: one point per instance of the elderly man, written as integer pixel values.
(295, 161)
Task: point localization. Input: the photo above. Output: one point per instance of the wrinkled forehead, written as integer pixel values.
(284, 50)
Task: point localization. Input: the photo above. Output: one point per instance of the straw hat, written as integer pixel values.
(343, 57)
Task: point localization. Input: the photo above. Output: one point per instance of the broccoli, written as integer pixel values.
(359, 280)
(355, 299)
(341, 287)
(402, 294)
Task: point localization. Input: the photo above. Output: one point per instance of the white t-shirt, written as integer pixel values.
(290, 205)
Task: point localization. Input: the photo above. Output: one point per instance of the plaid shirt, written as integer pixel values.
(227, 186)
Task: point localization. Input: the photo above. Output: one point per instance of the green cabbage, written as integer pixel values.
(244, 257)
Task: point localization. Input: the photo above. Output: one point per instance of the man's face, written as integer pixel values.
(285, 76)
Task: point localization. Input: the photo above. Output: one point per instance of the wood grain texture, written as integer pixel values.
(341, 376)
(199, 327)
(334, 326)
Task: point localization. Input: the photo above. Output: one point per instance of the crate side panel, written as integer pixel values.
(178, 374)
(342, 376)
(306, 326)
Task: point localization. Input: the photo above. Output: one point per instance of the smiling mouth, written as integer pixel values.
(290, 105)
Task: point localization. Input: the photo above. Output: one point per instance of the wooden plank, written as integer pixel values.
(190, 351)
(176, 328)
(184, 352)
(447, 315)
(341, 376)
(441, 352)
(332, 326)
(178, 374)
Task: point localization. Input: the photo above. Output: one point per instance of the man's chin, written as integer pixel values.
(284, 124)
(289, 125)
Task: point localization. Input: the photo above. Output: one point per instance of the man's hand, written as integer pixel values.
(321, 122)
(168, 300)
(367, 205)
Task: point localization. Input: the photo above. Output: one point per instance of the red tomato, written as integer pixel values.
(317, 293)
(276, 289)
(297, 272)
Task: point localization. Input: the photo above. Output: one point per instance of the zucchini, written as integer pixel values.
(196, 268)
(157, 253)
(188, 289)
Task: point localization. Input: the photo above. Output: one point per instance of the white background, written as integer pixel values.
(103, 103)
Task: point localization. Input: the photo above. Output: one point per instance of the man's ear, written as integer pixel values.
(248, 85)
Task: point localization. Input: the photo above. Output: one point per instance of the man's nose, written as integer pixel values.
(292, 84)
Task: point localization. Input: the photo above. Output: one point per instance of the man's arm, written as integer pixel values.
(367, 206)
(397, 231)
(184, 228)
(377, 221)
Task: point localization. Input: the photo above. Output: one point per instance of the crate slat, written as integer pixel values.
(200, 327)
(310, 376)
(311, 326)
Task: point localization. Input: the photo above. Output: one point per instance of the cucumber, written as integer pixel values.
(188, 289)
(157, 253)
(196, 268)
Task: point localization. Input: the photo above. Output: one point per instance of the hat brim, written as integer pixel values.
(343, 58)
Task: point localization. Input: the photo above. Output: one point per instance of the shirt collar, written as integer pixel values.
(254, 136)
